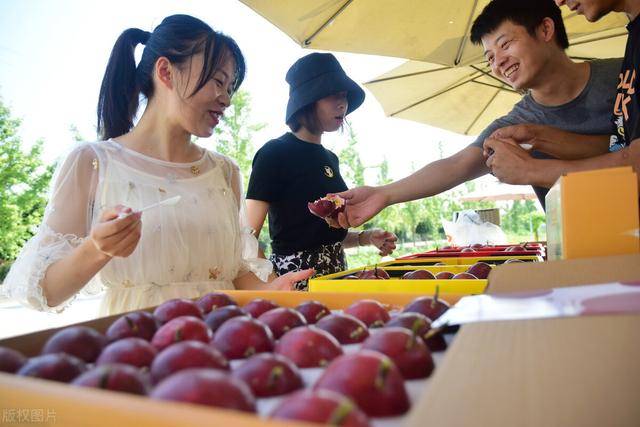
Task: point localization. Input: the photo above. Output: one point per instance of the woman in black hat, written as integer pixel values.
(294, 169)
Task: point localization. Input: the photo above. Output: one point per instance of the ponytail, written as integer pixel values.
(118, 100)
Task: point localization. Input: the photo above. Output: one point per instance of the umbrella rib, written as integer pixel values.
(434, 95)
(503, 87)
(417, 73)
(463, 43)
(491, 76)
(308, 40)
(482, 111)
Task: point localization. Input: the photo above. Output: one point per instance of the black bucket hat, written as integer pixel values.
(316, 76)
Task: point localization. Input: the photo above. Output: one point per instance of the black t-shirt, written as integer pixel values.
(626, 111)
(288, 173)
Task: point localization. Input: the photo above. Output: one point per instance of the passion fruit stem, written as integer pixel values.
(274, 375)
(131, 323)
(383, 371)
(104, 378)
(435, 331)
(435, 297)
(340, 414)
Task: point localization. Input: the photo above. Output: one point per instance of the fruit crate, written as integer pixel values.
(422, 260)
(337, 282)
(68, 405)
(522, 249)
(477, 254)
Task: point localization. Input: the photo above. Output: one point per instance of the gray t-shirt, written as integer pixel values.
(590, 113)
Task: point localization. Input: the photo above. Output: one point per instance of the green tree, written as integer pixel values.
(235, 132)
(519, 217)
(234, 138)
(523, 218)
(75, 134)
(351, 167)
(23, 182)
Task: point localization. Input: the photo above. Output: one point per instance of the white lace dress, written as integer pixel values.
(197, 246)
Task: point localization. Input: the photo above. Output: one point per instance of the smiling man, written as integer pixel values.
(525, 42)
(527, 51)
(625, 114)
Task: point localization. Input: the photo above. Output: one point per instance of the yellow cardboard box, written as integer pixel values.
(593, 213)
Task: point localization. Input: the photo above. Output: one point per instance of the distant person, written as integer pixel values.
(92, 236)
(294, 169)
(524, 42)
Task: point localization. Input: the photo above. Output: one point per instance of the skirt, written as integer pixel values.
(326, 259)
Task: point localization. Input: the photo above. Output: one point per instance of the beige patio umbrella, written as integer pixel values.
(447, 85)
(422, 30)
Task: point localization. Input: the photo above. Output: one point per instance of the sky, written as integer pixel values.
(53, 55)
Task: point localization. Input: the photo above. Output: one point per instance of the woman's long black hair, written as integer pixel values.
(177, 38)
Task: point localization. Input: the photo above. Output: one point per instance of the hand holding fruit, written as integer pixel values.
(117, 237)
(362, 204)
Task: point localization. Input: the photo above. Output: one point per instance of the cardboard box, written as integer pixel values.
(571, 372)
(565, 372)
(553, 274)
(593, 213)
(418, 261)
(75, 406)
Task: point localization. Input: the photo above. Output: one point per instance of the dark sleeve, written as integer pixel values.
(264, 182)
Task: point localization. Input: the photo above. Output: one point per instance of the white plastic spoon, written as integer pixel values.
(166, 202)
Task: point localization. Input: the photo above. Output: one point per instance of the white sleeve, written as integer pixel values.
(250, 259)
(66, 223)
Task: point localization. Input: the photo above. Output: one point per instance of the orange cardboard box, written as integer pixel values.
(593, 213)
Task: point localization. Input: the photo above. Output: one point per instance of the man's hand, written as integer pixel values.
(555, 142)
(509, 162)
(527, 136)
(363, 203)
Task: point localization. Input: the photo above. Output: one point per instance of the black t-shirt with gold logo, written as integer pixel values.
(288, 173)
(626, 112)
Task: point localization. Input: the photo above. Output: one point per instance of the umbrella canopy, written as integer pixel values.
(429, 31)
(460, 99)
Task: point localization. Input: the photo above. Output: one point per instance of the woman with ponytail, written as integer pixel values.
(93, 236)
